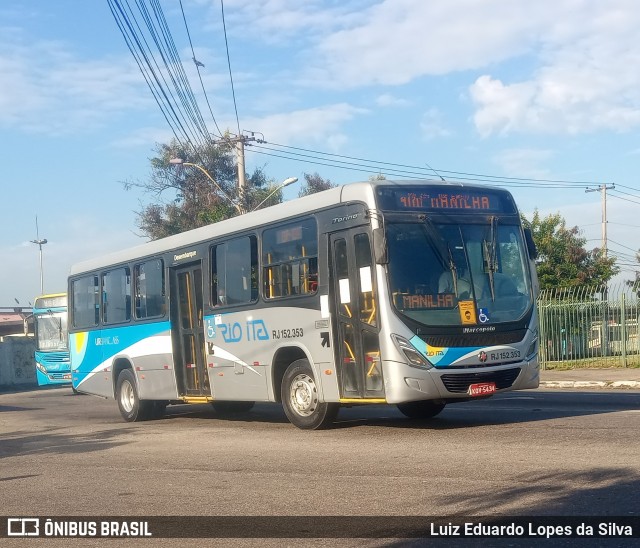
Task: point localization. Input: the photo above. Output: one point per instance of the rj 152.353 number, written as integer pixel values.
(287, 333)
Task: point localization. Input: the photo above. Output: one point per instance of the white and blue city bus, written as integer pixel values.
(50, 327)
(409, 293)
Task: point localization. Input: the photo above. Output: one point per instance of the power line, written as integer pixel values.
(625, 246)
(233, 91)
(364, 165)
(179, 106)
(198, 64)
(615, 195)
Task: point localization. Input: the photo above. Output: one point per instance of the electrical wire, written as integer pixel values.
(233, 90)
(163, 71)
(364, 165)
(196, 63)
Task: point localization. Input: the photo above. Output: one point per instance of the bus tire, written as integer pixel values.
(232, 407)
(300, 398)
(132, 408)
(423, 409)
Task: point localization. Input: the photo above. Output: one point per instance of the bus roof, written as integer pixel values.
(358, 191)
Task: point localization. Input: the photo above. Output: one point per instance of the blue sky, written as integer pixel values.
(544, 90)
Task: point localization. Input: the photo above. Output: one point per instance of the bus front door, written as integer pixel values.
(356, 328)
(188, 331)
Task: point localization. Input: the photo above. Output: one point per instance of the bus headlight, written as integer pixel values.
(41, 368)
(533, 347)
(414, 357)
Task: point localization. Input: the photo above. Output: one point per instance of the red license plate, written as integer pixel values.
(482, 389)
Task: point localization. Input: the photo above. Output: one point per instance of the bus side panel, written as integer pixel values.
(241, 347)
(145, 347)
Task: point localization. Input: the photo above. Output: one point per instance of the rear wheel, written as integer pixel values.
(424, 409)
(132, 408)
(301, 400)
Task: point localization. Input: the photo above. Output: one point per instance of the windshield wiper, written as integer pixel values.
(489, 252)
(444, 254)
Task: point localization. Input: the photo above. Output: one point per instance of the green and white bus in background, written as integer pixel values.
(414, 294)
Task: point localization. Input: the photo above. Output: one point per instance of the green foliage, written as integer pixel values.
(563, 260)
(183, 197)
(314, 183)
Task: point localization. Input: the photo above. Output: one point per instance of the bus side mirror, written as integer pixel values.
(380, 246)
(531, 245)
(26, 326)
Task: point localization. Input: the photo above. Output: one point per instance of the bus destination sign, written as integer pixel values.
(445, 200)
(441, 198)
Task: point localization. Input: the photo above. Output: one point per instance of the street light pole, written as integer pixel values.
(181, 162)
(284, 183)
(40, 242)
(239, 208)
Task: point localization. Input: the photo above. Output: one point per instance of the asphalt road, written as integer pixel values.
(532, 453)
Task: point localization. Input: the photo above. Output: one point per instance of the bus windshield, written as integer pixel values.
(51, 331)
(450, 274)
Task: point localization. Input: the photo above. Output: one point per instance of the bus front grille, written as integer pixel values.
(460, 383)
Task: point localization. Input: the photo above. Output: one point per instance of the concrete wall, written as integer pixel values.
(17, 364)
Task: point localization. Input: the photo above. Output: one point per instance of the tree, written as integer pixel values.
(195, 200)
(314, 183)
(563, 260)
(377, 177)
(635, 283)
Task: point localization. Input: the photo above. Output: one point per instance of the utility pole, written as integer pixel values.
(239, 142)
(604, 324)
(603, 192)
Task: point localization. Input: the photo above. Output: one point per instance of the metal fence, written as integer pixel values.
(589, 326)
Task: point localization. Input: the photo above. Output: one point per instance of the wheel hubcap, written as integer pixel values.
(127, 397)
(303, 396)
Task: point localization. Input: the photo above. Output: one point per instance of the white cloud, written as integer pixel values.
(586, 80)
(397, 41)
(281, 21)
(524, 162)
(388, 100)
(432, 125)
(313, 125)
(48, 90)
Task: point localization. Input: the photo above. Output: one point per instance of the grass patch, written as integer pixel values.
(611, 362)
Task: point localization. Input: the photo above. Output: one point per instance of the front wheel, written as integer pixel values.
(423, 409)
(301, 400)
(132, 408)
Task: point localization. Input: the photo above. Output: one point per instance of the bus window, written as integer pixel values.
(86, 305)
(234, 267)
(365, 274)
(116, 296)
(149, 289)
(290, 259)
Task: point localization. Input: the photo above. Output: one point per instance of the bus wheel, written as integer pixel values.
(300, 399)
(232, 407)
(131, 407)
(423, 409)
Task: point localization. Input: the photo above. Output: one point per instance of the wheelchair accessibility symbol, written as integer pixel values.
(483, 315)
